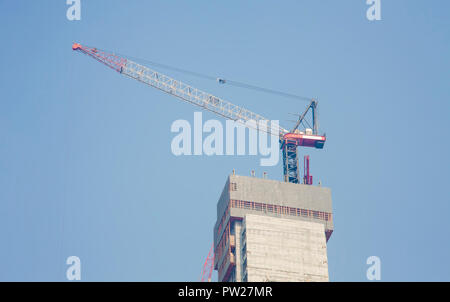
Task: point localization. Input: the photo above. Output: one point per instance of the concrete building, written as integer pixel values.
(268, 230)
(279, 249)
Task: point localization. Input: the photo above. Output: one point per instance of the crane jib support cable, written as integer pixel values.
(209, 77)
(206, 100)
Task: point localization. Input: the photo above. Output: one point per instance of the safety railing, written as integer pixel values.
(278, 209)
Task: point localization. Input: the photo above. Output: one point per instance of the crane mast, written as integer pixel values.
(290, 140)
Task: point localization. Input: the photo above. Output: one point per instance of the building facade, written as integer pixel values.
(268, 230)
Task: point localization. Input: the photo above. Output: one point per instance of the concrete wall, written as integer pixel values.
(221, 207)
(280, 249)
(281, 193)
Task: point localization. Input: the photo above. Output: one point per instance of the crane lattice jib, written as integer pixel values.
(181, 90)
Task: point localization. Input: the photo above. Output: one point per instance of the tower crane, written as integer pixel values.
(289, 140)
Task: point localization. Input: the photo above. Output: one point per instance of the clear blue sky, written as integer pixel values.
(85, 161)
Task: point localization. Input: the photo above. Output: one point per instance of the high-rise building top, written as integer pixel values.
(244, 196)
